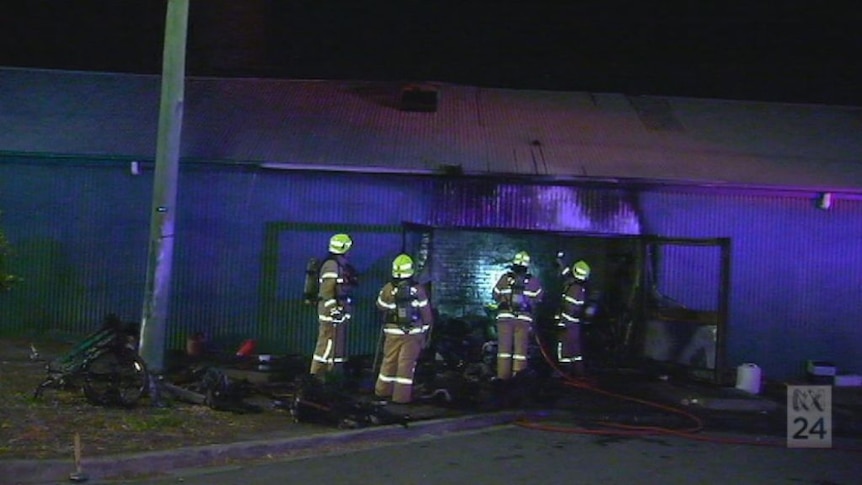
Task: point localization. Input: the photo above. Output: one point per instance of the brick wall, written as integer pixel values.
(465, 265)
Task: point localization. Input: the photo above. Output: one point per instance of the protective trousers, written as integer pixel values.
(329, 350)
(569, 348)
(400, 352)
(512, 340)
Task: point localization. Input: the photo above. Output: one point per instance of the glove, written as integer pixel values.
(560, 261)
(338, 316)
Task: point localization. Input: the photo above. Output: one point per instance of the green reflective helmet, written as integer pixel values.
(402, 266)
(521, 259)
(581, 270)
(340, 244)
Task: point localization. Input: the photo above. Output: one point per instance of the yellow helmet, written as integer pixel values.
(581, 269)
(521, 259)
(402, 266)
(340, 244)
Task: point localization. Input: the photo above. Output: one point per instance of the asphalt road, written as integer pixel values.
(512, 454)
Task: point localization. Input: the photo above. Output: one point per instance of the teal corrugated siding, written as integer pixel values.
(79, 237)
(80, 232)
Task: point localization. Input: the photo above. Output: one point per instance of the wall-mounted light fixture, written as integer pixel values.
(824, 200)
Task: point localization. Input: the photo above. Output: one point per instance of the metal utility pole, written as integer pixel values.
(157, 291)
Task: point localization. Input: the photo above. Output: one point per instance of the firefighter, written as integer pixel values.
(407, 323)
(570, 355)
(336, 279)
(517, 293)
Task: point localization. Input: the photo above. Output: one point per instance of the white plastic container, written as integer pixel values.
(748, 378)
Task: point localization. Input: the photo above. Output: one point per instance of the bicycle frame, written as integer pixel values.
(74, 368)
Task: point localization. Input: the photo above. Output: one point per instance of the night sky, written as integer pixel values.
(783, 50)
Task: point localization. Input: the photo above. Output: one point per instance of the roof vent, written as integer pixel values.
(419, 98)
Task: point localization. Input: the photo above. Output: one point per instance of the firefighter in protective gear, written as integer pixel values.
(570, 355)
(517, 294)
(407, 320)
(337, 279)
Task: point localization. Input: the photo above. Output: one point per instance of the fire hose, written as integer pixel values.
(608, 428)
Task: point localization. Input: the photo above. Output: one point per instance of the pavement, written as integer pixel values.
(630, 399)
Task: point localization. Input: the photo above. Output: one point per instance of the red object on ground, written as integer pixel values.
(195, 345)
(247, 348)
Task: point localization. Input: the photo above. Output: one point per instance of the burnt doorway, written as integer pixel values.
(684, 305)
(655, 303)
(461, 266)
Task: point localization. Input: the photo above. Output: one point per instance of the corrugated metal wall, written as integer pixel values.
(796, 272)
(244, 235)
(80, 232)
(688, 275)
(494, 204)
(81, 252)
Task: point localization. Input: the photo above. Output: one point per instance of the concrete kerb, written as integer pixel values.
(24, 472)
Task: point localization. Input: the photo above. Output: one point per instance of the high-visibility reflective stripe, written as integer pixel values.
(330, 319)
(397, 380)
(328, 275)
(330, 302)
(506, 355)
(339, 244)
(338, 360)
(325, 358)
(504, 291)
(521, 316)
(420, 303)
(398, 331)
(532, 294)
(573, 300)
(566, 360)
(382, 303)
(570, 318)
